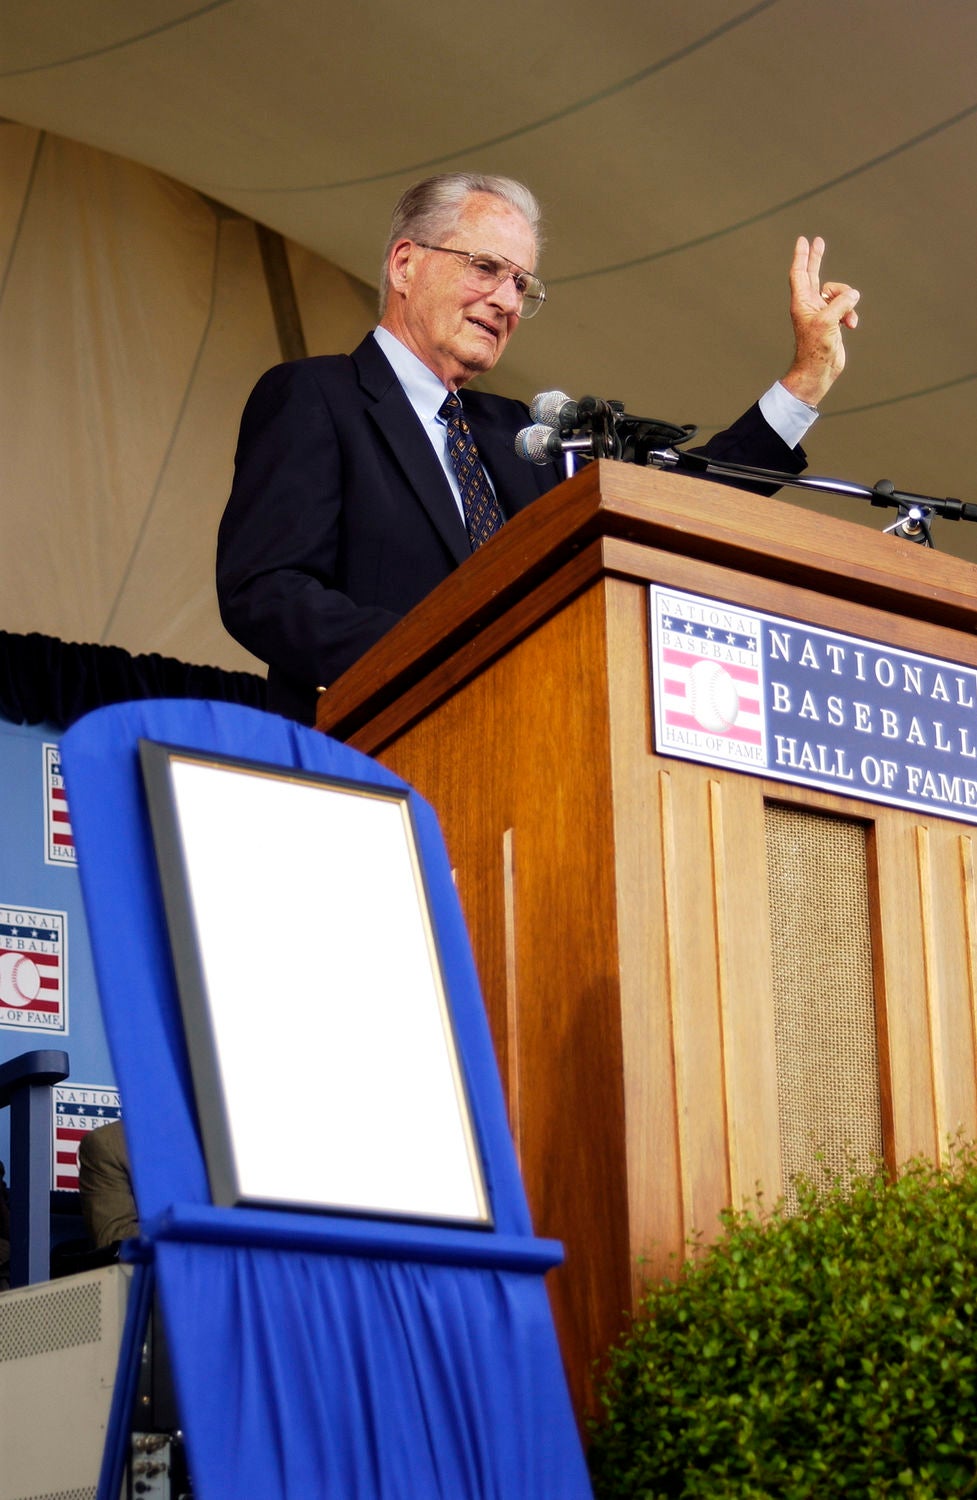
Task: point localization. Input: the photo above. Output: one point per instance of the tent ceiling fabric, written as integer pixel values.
(677, 150)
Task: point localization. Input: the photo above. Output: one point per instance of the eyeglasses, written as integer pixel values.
(485, 271)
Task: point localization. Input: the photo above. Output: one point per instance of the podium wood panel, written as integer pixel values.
(618, 901)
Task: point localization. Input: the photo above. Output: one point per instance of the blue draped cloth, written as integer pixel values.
(322, 1376)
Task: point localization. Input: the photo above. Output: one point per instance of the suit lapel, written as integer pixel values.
(397, 423)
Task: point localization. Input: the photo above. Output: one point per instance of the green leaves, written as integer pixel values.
(829, 1353)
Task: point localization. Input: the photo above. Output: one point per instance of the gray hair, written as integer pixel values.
(430, 210)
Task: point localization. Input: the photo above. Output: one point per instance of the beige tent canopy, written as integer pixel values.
(678, 151)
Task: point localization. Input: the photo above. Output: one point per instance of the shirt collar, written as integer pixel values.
(423, 389)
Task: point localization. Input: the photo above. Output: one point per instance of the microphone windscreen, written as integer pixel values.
(550, 408)
(538, 444)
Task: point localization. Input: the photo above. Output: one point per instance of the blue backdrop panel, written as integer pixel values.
(312, 1354)
(28, 882)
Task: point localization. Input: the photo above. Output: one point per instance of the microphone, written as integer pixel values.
(611, 432)
(540, 444)
(556, 409)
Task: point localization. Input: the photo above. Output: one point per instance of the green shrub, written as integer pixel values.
(831, 1353)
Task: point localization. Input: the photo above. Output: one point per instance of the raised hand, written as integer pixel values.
(819, 311)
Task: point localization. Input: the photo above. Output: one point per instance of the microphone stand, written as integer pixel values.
(915, 512)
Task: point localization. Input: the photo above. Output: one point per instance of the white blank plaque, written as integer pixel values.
(324, 1061)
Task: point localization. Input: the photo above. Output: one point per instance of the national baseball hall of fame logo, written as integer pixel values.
(78, 1109)
(33, 969)
(59, 841)
(708, 676)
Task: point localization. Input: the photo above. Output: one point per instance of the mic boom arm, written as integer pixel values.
(914, 511)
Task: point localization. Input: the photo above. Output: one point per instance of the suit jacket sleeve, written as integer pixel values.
(751, 440)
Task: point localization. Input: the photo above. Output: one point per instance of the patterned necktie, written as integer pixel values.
(482, 514)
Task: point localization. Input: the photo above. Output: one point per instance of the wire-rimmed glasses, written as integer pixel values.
(485, 271)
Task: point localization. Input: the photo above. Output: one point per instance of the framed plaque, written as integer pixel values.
(326, 1070)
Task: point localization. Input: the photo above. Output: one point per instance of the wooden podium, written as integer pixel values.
(628, 910)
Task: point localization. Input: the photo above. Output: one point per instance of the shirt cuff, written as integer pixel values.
(790, 418)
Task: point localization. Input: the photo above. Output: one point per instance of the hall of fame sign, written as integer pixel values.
(777, 698)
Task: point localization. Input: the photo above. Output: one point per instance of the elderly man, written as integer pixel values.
(362, 480)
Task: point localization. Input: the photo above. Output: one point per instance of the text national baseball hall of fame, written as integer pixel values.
(736, 688)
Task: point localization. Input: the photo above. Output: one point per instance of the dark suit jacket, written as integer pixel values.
(340, 518)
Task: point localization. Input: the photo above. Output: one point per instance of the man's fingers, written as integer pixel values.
(842, 299)
(799, 274)
(805, 268)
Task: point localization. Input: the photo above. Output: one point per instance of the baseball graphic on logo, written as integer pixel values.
(712, 696)
(20, 980)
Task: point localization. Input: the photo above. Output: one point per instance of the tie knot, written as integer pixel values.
(450, 408)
